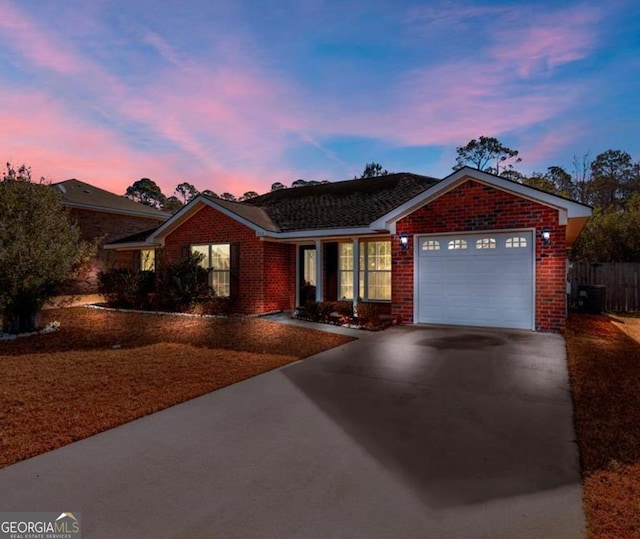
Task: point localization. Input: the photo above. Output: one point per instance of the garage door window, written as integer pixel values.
(515, 242)
(430, 245)
(486, 243)
(456, 245)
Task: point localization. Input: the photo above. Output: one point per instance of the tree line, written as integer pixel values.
(147, 192)
(610, 183)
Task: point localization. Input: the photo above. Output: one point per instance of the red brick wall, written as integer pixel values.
(107, 227)
(279, 264)
(473, 206)
(266, 281)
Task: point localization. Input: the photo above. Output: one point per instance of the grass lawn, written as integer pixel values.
(604, 370)
(103, 369)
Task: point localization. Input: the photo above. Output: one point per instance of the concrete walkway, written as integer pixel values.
(412, 432)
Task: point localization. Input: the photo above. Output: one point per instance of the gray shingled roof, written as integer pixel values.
(83, 195)
(353, 203)
(253, 214)
(138, 237)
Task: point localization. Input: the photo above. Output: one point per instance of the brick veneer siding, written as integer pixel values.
(266, 269)
(106, 227)
(473, 206)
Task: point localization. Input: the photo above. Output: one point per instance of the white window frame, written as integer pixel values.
(360, 270)
(342, 271)
(216, 273)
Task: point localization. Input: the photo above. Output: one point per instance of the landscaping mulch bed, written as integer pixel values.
(104, 368)
(604, 369)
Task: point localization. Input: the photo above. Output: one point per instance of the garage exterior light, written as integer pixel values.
(404, 241)
(545, 234)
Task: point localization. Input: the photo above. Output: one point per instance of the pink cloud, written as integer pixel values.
(36, 43)
(538, 48)
(225, 126)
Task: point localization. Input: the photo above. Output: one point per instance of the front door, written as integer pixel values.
(307, 274)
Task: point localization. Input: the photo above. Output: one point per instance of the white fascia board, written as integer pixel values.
(195, 206)
(324, 233)
(570, 209)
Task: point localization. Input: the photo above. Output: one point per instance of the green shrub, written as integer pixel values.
(126, 288)
(185, 284)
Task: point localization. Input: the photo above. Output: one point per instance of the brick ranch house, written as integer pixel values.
(471, 249)
(106, 217)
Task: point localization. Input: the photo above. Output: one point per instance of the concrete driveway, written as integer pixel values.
(413, 432)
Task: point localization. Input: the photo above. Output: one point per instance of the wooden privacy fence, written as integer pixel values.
(622, 280)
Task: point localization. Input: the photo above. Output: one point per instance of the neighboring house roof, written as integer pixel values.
(81, 195)
(363, 206)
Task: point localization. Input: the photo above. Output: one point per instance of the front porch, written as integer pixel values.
(337, 280)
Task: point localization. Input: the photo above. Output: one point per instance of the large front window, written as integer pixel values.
(375, 271)
(216, 259)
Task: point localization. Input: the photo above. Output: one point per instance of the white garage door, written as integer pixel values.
(476, 280)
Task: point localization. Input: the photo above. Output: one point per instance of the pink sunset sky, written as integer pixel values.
(236, 97)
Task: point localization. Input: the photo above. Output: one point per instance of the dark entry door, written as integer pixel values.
(307, 273)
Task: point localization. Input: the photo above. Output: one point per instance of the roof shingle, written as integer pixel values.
(352, 203)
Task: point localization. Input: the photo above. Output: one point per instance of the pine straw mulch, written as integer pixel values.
(604, 369)
(103, 369)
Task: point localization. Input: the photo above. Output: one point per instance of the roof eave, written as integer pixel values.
(131, 246)
(194, 206)
(106, 209)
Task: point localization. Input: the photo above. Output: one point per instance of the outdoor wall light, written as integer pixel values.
(545, 234)
(404, 241)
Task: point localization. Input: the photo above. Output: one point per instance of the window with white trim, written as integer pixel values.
(216, 259)
(456, 245)
(345, 270)
(148, 260)
(515, 242)
(486, 243)
(374, 271)
(430, 245)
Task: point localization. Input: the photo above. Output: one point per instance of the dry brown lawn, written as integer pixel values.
(103, 369)
(604, 369)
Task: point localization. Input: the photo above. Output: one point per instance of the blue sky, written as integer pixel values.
(233, 96)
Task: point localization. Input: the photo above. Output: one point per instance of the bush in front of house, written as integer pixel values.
(126, 288)
(368, 315)
(184, 284)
